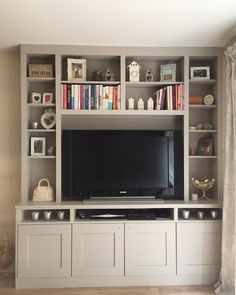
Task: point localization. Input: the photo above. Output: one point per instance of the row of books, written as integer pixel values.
(169, 98)
(90, 97)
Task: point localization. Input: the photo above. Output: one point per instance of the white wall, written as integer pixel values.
(9, 137)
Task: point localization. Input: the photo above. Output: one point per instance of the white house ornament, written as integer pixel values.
(140, 104)
(134, 72)
(150, 104)
(131, 103)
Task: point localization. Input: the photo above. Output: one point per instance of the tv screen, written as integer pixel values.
(121, 163)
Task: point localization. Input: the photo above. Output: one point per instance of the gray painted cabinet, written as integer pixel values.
(198, 248)
(98, 250)
(44, 251)
(150, 249)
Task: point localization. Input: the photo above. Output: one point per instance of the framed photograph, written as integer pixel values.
(38, 146)
(76, 69)
(47, 98)
(168, 73)
(36, 97)
(200, 73)
(205, 147)
(48, 119)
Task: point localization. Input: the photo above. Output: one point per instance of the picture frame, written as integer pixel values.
(168, 73)
(47, 98)
(76, 69)
(48, 119)
(200, 73)
(36, 97)
(38, 146)
(205, 147)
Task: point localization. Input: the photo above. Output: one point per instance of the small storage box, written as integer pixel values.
(36, 70)
(195, 100)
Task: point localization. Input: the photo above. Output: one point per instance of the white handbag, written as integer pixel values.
(43, 193)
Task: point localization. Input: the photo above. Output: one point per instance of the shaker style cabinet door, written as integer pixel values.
(150, 249)
(44, 251)
(198, 248)
(98, 250)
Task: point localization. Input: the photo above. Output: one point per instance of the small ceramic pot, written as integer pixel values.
(214, 214)
(35, 215)
(47, 215)
(185, 214)
(61, 215)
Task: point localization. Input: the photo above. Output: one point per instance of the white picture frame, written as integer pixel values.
(36, 98)
(200, 73)
(168, 73)
(76, 69)
(47, 98)
(38, 146)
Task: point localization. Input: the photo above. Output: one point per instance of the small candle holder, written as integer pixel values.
(47, 215)
(35, 215)
(214, 214)
(185, 214)
(200, 214)
(61, 215)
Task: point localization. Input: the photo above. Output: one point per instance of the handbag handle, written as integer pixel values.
(44, 179)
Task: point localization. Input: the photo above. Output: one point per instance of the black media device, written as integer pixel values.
(122, 163)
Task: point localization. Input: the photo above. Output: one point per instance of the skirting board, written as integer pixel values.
(115, 281)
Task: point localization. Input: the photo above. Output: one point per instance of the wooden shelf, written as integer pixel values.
(37, 79)
(203, 157)
(202, 131)
(41, 157)
(121, 113)
(150, 84)
(202, 106)
(41, 130)
(40, 105)
(91, 82)
(202, 82)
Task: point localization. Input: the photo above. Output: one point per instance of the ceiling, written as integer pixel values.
(118, 22)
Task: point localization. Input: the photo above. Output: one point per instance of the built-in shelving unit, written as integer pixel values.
(108, 247)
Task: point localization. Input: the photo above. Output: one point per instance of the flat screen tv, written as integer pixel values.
(122, 164)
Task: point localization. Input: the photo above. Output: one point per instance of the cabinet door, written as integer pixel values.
(198, 248)
(44, 251)
(150, 249)
(98, 249)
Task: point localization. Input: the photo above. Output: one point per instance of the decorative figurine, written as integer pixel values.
(97, 75)
(109, 75)
(204, 185)
(51, 151)
(131, 103)
(150, 104)
(134, 72)
(140, 104)
(149, 76)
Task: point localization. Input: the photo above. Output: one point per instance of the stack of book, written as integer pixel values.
(90, 97)
(169, 98)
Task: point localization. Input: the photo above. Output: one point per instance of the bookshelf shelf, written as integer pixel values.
(150, 84)
(40, 105)
(41, 157)
(41, 130)
(203, 157)
(91, 82)
(202, 107)
(203, 82)
(202, 131)
(36, 79)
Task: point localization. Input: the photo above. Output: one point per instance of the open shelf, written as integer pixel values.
(150, 84)
(202, 82)
(40, 105)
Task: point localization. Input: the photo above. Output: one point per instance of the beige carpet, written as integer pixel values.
(7, 288)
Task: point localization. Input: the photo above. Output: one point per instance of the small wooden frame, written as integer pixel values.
(76, 69)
